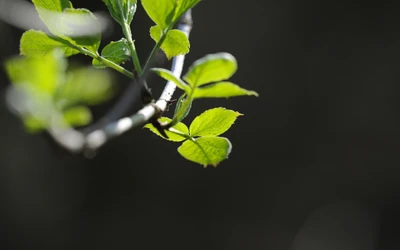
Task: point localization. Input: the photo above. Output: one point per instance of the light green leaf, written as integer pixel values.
(184, 5)
(206, 150)
(41, 73)
(33, 125)
(52, 5)
(181, 127)
(175, 43)
(213, 122)
(179, 106)
(117, 52)
(81, 28)
(161, 12)
(50, 12)
(77, 116)
(85, 86)
(169, 76)
(38, 43)
(221, 89)
(121, 10)
(211, 68)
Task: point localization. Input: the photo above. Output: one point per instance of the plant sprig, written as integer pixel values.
(57, 101)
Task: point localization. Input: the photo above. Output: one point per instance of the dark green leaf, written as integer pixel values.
(206, 150)
(117, 52)
(179, 106)
(121, 10)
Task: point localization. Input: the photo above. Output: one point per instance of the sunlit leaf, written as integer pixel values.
(38, 43)
(117, 52)
(213, 122)
(161, 12)
(169, 76)
(211, 68)
(222, 89)
(184, 5)
(121, 10)
(77, 116)
(175, 43)
(181, 127)
(206, 150)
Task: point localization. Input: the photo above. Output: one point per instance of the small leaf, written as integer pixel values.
(175, 43)
(117, 52)
(211, 68)
(38, 43)
(213, 122)
(169, 76)
(85, 86)
(77, 116)
(206, 150)
(121, 10)
(171, 136)
(221, 89)
(179, 106)
(161, 12)
(184, 5)
(33, 125)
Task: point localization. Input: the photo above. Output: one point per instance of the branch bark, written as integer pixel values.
(100, 133)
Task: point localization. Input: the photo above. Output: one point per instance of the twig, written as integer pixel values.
(76, 141)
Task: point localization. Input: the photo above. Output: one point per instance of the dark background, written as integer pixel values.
(315, 158)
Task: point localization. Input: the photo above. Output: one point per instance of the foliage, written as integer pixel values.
(48, 94)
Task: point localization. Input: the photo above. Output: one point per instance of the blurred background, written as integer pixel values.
(315, 158)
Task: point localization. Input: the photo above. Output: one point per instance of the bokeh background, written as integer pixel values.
(315, 158)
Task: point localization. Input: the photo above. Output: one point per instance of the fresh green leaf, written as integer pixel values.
(179, 106)
(169, 76)
(184, 5)
(33, 124)
(161, 12)
(52, 5)
(117, 52)
(50, 12)
(211, 68)
(43, 74)
(181, 127)
(121, 10)
(206, 150)
(221, 89)
(77, 116)
(175, 43)
(213, 122)
(82, 28)
(85, 86)
(38, 43)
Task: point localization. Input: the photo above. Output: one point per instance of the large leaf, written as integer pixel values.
(211, 68)
(117, 52)
(206, 150)
(161, 12)
(121, 10)
(169, 76)
(38, 43)
(181, 127)
(184, 5)
(220, 90)
(175, 43)
(213, 122)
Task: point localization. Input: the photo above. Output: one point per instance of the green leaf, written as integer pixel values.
(38, 43)
(33, 124)
(206, 150)
(179, 106)
(181, 127)
(52, 5)
(121, 10)
(77, 116)
(213, 122)
(221, 89)
(117, 52)
(184, 5)
(211, 68)
(161, 12)
(175, 43)
(43, 74)
(81, 28)
(85, 86)
(50, 12)
(169, 76)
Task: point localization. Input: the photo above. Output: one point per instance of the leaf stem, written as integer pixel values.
(126, 29)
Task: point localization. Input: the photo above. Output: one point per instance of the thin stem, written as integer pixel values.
(126, 29)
